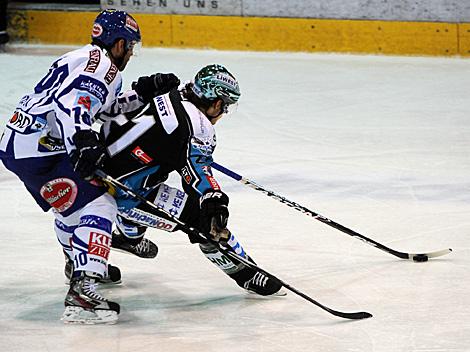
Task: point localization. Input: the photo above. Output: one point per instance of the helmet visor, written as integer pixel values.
(135, 47)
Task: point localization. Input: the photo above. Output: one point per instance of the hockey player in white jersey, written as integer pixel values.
(175, 133)
(50, 146)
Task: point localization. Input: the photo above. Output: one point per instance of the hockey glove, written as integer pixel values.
(89, 154)
(214, 215)
(149, 87)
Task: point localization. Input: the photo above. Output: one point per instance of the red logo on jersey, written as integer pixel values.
(213, 183)
(14, 118)
(60, 193)
(99, 244)
(140, 154)
(85, 101)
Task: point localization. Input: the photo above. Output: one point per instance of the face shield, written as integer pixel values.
(135, 47)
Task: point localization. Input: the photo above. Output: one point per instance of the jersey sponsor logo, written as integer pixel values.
(86, 101)
(111, 74)
(99, 244)
(148, 219)
(97, 30)
(93, 61)
(20, 121)
(59, 193)
(94, 87)
(166, 113)
(130, 23)
(186, 175)
(205, 147)
(215, 186)
(141, 155)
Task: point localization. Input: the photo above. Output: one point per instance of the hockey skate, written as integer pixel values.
(264, 285)
(142, 247)
(84, 305)
(111, 276)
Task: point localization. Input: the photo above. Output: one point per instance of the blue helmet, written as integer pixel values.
(111, 25)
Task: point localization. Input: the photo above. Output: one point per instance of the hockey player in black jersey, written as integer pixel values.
(174, 132)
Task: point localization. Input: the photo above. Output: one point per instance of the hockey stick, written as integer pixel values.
(233, 255)
(417, 257)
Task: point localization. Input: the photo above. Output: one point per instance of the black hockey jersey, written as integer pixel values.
(169, 134)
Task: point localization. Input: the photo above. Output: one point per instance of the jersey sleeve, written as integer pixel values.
(196, 174)
(197, 177)
(127, 104)
(92, 86)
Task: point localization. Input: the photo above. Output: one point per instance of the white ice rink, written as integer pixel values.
(378, 144)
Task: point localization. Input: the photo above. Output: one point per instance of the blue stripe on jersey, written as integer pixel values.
(88, 84)
(63, 227)
(96, 222)
(137, 183)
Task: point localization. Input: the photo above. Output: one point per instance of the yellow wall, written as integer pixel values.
(255, 33)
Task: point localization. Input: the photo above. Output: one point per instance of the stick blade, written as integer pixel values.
(353, 316)
(423, 257)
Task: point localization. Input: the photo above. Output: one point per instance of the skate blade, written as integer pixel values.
(280, 293)
(79, 315)
(134, 254)
(101, 283)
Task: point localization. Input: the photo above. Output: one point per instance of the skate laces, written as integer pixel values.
(259, 280)
(143, 246)
(89, 288)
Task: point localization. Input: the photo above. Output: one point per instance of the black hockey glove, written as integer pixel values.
(89, 154)
(149, 87)
(214, 215)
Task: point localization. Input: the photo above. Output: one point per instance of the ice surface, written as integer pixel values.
(378, 144)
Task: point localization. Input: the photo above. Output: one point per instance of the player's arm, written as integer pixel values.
(80, 98)
(198, 181)
(133, 102)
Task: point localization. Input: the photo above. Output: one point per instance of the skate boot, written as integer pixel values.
(84, 305)
(111, 276)
(264, 285)
(141, 247)
(257, 282)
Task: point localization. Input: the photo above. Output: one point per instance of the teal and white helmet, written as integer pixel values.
(215, 82)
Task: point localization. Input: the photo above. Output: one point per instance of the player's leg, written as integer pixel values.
(91, 244)
(128, 237)
(64, 235)
(187, 209)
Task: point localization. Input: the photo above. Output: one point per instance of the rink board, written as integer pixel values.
(257, 33)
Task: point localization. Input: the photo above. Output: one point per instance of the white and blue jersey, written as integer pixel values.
(79, 88)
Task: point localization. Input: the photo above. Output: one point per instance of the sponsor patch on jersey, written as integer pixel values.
(20, 121)
(141, 155)
(59, 193)
(215, 186)
(111, 74)
(86, 101)
(93, 61)
(99, 244)
(186, 175)
(92, 86)
(130, 23)
(166, 113)
(97, 30)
